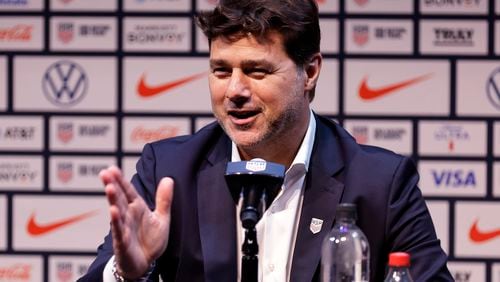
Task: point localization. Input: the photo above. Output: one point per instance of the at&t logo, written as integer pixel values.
(65, 83)
(493, 88)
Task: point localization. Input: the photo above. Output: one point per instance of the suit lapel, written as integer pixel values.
(217, 217)
(321, 195)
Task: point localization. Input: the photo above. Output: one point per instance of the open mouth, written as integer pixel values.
(243, 114)
(243, 117)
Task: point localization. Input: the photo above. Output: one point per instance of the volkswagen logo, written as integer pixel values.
(64, 83)
(493, 88)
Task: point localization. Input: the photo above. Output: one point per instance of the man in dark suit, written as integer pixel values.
(264, 64)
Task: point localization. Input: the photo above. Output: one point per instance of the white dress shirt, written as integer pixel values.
(277, 229)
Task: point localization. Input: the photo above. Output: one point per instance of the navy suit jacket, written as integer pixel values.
(202, 244)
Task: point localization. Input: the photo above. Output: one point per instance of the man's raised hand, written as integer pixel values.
(139, 234)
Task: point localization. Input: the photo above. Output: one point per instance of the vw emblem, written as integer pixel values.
(64, 83)
(493, 88)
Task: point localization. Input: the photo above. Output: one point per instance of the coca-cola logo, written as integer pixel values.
(20, 32)
(141, 134)
(16, 272)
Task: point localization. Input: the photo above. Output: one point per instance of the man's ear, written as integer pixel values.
(312, 70)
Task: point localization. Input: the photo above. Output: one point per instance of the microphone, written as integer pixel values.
(259, 181)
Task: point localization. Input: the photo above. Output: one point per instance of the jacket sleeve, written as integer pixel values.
(410, 227)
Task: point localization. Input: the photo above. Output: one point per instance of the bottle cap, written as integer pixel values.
(347, 210)
(399, 259)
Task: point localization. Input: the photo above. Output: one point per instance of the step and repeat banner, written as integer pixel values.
(86, 83)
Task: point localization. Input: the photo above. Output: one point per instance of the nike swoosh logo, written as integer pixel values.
(145, 90)
(36, 229)
(480, 236)
(368, 93)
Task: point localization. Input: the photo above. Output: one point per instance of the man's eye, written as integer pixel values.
(257, 70)
(258, 73)
(221, 72)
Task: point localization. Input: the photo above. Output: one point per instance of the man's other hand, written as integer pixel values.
(139, 235)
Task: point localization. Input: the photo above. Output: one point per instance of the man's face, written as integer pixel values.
(257, 92)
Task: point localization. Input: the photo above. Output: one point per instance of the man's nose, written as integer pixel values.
(238, 88)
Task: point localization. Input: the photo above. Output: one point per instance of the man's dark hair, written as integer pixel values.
(296, 20)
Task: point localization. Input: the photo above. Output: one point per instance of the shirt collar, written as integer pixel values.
(303, 156)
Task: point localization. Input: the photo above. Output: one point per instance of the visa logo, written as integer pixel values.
(454, 178)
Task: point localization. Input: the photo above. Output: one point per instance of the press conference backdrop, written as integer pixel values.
(86, 83)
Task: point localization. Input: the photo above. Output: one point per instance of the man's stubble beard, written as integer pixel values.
(276, 130)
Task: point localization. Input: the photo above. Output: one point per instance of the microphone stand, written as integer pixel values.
(250, 261)
(256, 179)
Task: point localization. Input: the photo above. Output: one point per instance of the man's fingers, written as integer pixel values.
(164, 195)
(124, 184)
(116, 198)
(113, 174)
(116, 223)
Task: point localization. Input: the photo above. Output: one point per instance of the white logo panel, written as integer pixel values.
(141, 130)
(440, 214)
(157, 5)
(68, 268)
(21, 133)
(3, 83)
(329, 36)
(85, 34)
(199, 123)
(328, 6)
(458, 7)
(77, 173)
(153, 85)
(477, 230)
(83, 134)
(21, 268)
(478, 88)
(467, 271)
(21, 33)
(496, 179)
(379, 6)
(53, 222)
(453, 37)
(379, 36)
(206, 5)
(326, 95)
(157, 34)
(73, 84)
(497, 37)
(452, 138)
(495, 267)
(393, 135)
(453, 178)
(128, 166)
(201, 41)
(3, 223)
(397, 87)
(21, 173)
(22, 5)
(83, 5)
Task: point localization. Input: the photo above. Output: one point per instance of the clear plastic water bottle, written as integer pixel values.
(345, 254)
(399, 264)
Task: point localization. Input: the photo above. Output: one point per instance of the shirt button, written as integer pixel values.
(271, 267)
